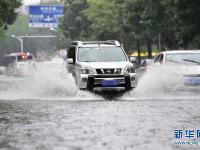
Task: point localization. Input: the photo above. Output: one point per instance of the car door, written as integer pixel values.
(156, 60)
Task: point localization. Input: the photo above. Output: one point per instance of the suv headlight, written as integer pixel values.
(88, 70)
(128, 70)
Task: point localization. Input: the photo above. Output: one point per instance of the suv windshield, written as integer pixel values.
(101, 54)
(184, 58)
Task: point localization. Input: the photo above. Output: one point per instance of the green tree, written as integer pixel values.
(103, 17)
(8, 13)
(151, 22)
(74, 24)
(189, 14)
(139, 24)
(131, 17)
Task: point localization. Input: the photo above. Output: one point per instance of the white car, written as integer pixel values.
(100, 65)
(183, 64)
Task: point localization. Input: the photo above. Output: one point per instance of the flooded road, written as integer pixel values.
(48, 112)
(85, 125)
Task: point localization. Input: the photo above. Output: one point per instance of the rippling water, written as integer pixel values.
(46, 111)
(78, 125)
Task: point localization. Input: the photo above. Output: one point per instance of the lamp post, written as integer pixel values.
(20, 39)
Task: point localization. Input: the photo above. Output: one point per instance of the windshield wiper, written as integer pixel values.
(192, 61)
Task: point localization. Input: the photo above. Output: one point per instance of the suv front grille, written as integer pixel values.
(108, 71)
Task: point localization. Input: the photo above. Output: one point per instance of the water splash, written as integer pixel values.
(163, 83)
(49, 80)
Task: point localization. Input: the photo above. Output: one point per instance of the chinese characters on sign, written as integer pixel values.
(45, 16)
(186, 137)
(180, 134)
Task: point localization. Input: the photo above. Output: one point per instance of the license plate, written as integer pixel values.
(192, 81)
(108, 83)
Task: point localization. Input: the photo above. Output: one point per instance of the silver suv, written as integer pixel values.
(100, 65)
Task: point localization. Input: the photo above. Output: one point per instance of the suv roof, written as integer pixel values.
(96, 43)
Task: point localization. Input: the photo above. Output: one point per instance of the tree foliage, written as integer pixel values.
(74, 23)
(165, 24)
(103, 18)
(8, 12)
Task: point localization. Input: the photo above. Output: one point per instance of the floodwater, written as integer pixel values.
(46, 111)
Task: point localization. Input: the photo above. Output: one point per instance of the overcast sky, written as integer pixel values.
(27, 2)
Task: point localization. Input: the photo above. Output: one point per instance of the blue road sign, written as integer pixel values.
(45, 16)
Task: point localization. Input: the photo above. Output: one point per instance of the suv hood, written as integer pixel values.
(101, 65)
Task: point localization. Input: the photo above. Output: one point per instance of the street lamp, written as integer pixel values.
(20, 39)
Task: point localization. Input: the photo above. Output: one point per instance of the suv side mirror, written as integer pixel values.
(132, 59)
(70, 61)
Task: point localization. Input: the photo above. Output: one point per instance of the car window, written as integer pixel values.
(157, 59)
(183, 58)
